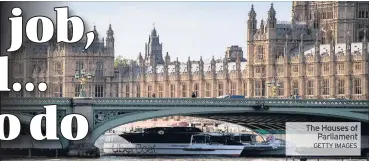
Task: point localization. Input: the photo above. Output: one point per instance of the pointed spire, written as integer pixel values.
(110, 31)
(96, 33)
(271, 12)
(252, 13)
(140, 56)
(153, 32)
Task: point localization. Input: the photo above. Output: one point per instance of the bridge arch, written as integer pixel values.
(329, 112)
(26, 119)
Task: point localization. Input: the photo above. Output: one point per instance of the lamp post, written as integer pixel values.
(275, 85)
(83, 78)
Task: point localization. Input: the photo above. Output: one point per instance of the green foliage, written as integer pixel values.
(120, 61)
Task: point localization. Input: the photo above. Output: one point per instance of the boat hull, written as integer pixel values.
(145, 149)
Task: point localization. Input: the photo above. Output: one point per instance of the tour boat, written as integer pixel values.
(174, 141)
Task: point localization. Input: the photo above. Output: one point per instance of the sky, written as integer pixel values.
(186, 29)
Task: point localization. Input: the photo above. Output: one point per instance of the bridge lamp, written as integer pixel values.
(83, 77)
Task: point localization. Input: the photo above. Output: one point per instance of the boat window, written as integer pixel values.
(246, 138)
(199, 139)
(217, 139)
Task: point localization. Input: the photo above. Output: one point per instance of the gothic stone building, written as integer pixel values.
(321, 53)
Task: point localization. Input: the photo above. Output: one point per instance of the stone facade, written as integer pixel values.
(321, 53)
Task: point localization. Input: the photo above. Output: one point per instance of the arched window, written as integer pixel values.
(184, 89)
(310, 87)
(58, 68)
(207, 90)
(280, 91)
(220, 89)
(149, 91)
(196, 88)
(233, 88)
(244, 88)
(99, 90)
(295, 88)
(127, 91)
(77, 89)
(172, 90)
(357, 86)
(79, 66)
(99, 69)
(160, 89)
(325, 87)
(138, 91)
(260, 88)
(341, 86)
(260, 52)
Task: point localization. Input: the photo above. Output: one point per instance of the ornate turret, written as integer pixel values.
(272, 21)
(213, 70)
(167, 59)
(140, 59)
(189, 65)
(201, 65)
(262, 27)
(110, 39)
(153, 32)
(251, 24)
(153, 49)
(96, 39)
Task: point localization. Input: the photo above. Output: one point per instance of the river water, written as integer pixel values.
(180, 159)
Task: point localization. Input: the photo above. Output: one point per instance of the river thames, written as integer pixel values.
(104, 158)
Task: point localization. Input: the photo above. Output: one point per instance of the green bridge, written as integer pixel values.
(262, 115)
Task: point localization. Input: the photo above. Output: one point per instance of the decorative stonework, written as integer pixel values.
(204, 102)
(35, 101)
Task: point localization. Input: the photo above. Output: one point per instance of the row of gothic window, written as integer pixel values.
(363, 14)
(260, 89)
(99, 71)
(98, 91)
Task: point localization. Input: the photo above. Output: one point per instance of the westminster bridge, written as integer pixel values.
(104, 114)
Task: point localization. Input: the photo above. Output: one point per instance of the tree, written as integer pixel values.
(119, 60)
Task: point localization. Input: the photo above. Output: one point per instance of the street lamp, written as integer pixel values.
(83, 78)
(275, 85)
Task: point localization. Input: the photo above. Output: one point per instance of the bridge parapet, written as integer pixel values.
(189, 102)
(217, 102)
(35, 101)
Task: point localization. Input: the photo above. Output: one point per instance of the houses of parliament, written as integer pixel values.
(321, 53)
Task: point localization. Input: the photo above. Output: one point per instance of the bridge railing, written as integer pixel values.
(189, 102)
(212, 102)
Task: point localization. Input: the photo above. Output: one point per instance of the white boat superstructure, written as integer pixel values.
(250, 143)
(201, 144)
